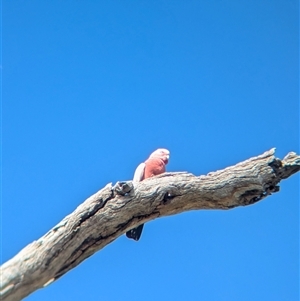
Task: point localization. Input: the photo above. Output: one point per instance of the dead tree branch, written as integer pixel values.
(113, 210)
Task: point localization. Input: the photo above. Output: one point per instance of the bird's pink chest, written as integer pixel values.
(154, 166)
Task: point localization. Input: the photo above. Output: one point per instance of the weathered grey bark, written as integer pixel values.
(114, 210)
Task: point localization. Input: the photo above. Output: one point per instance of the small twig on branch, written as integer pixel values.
(113, 210)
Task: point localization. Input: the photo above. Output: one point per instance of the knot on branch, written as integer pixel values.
(123, 188)
(168, 196)
(253, 196)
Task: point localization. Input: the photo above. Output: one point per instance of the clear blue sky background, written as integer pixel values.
(91, 88)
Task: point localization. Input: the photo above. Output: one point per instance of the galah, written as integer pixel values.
(154, 165)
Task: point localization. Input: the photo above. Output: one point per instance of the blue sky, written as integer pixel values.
(91, 88)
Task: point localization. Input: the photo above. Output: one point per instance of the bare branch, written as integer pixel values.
(113, 210)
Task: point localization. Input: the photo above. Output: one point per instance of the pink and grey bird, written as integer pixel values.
(154, 165)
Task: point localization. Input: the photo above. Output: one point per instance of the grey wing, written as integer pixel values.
(139, 173)
(135, 233)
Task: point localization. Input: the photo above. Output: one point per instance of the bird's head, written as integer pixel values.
(161, 153)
